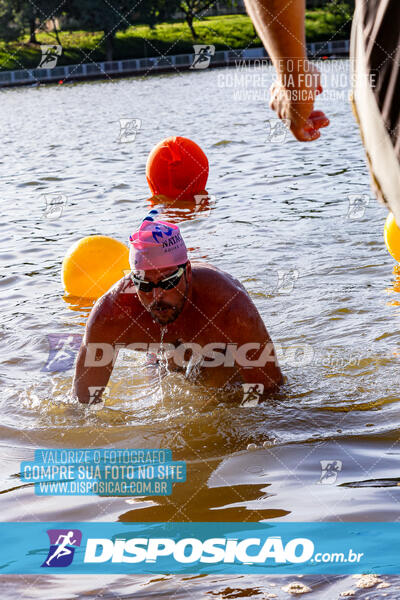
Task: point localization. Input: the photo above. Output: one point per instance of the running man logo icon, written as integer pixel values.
(252, 393)
(63, 348)
(204, 203)
(95, 392)
(286, 281)
(202, 56)
(278, 130)
(54, 205)
(329, 471)
(63, 543)
(129, 286)
(357, 205)
(128, 130)
(50, 54)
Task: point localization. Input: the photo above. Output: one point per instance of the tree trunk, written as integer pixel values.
(32, 31)
(152, 20)
(56, 31)
(109, 45)
(189, 20)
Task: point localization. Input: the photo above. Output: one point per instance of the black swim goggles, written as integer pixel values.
(168, 283)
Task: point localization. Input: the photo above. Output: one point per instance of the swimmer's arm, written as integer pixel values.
(266, 370)
(269, 376)
(97, 346)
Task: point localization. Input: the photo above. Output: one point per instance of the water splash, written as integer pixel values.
(163, 369)
(194, 366)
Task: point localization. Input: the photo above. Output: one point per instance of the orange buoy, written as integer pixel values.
(177, 168)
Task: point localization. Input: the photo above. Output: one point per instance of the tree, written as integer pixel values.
(11, 21)
(29, 14)
(152, 12)
(193, 8)
(101, 15)
(36, 14)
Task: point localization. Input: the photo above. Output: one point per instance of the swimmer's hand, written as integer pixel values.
(292, 98)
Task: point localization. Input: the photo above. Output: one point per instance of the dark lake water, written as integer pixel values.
(298, 225)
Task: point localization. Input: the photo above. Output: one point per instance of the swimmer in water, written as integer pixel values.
(196, 309)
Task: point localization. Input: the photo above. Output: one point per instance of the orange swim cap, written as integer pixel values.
(177, 168)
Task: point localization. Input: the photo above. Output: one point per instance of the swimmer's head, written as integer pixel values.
(177, 168)
(161, 270)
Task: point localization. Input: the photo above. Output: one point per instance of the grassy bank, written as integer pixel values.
(225, 32)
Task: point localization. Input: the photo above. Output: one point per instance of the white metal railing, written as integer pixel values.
(144, 65)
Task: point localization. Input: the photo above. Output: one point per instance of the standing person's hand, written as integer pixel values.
(281, 27)
(292, 98)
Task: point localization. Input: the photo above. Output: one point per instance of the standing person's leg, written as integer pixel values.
(375, 60)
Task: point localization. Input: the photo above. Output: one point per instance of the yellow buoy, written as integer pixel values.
(392, 237)
(93, 264)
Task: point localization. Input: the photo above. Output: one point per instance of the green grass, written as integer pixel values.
(322, 24)
(225, 32)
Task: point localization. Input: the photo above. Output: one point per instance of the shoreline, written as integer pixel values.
(154, 65)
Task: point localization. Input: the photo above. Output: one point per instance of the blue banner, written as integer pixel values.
(200, 548)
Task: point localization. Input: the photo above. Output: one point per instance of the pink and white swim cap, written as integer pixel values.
(156, 245)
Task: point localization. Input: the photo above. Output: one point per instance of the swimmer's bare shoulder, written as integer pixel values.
(233, 315)
(216, 285)
(119, 312)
